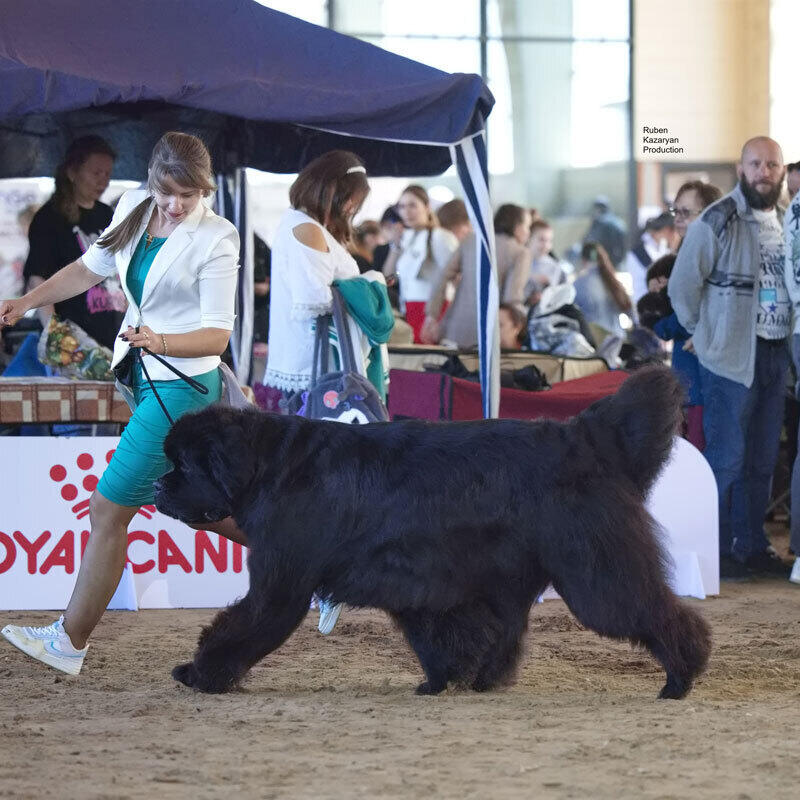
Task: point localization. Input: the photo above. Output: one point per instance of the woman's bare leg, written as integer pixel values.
(103, 562)
(101, 567)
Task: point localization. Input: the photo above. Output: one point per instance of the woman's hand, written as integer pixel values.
(689, 346)
(430, 331)
(11, 311)
(146, 338)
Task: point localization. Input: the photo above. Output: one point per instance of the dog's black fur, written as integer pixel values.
(454, 529)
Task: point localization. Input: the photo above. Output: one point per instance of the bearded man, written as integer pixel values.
(728, 290)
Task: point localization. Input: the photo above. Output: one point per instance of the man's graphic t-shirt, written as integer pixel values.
(774, 309)
(56, 242)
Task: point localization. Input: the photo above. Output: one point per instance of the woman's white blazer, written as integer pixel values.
(191, 283)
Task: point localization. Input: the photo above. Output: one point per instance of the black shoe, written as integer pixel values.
(732, 570)
(768, 563)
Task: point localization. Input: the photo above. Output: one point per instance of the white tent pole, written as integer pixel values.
(470, 159)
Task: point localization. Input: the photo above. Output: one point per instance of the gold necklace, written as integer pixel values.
(150, 240)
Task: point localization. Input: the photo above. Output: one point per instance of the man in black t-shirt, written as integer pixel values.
(56, 242)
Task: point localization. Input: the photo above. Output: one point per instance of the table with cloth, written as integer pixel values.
(435, 396)
(45, 400)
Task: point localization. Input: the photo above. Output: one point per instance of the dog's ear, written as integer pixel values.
(232, 452)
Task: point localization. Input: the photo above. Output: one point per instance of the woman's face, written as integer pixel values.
(509, 332)
(522, 230)
(413, 211)
(541, 242)
(372, 240)
(91, 178)
(686, 209)
(176, 202)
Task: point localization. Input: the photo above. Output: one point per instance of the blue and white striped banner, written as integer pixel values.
(470, 159)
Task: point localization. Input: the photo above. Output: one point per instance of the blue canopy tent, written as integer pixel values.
(262, 88)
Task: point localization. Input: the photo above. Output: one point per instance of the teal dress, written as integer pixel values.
(139, 459)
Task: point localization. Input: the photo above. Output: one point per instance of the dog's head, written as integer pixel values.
(213, 463)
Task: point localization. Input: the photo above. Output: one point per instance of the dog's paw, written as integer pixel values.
(426, 687)
(674, 689)
(185, 674)
(204, 680)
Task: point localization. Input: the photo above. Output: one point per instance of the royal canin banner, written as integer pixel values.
(44, 526)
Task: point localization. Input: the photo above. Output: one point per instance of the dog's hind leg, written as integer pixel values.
(457, 644)
(638, 605)
(681, 640)
(242, 635)
(500, 664)
(510, 608)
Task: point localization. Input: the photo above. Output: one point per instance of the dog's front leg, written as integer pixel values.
(240, 636)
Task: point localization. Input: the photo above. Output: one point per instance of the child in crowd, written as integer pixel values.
(512, 327)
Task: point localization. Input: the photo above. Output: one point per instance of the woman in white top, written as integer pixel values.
(420, 257)
(308, 254)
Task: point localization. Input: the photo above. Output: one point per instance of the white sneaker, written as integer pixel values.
(50, 644)
(328, 616)
(795, 576)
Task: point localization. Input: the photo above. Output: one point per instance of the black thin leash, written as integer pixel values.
(191, 381)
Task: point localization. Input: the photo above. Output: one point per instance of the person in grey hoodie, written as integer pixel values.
(728, 290)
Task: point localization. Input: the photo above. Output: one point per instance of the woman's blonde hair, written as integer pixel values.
(179, 156)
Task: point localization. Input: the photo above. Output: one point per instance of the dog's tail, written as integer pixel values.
(643, 416)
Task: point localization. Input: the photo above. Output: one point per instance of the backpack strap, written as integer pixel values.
(343, 333)
(321, 348)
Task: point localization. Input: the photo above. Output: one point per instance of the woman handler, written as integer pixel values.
(177, 262)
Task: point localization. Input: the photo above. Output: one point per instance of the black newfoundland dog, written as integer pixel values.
(454, 529)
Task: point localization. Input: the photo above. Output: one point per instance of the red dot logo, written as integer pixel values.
(58, 473)
(69, 491)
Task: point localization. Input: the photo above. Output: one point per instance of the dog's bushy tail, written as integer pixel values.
(644, 415)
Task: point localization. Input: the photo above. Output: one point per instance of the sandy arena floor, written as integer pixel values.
(337, 717)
